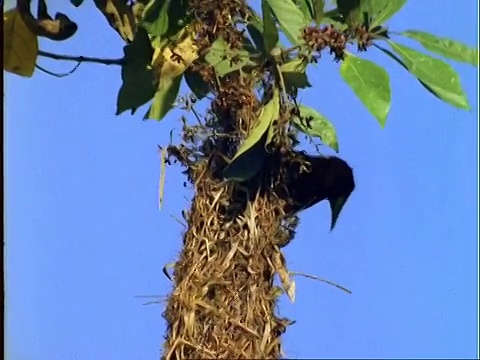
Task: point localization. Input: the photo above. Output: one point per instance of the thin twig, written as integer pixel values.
(161, 181)
(82, 58)
(320, 279)
(59, 75)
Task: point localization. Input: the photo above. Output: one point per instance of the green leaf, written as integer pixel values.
(217, 52)
(164, 98)
(335, 18)
(350, 10)
(315, 124)
(267, 115)
(318, 6)
(139, 83)
(400, 62)
(312, 10)
(294, 75)
(139, 53)
(294, 81)
(226, 60)
(256, 33)
(255, 29)
(377, 11)
(436, 74)
(295, 65)
(448, 48)
(249, 163)
(76, 3)
(178, 17)
(195, 82)
(270, 33)
(249, 158)
(248, 46)
(338, 25)
(290, 18)
(383, 10)
(136, 90)
(227, 66)
(370, 83)
(306, 7)
(156, 17)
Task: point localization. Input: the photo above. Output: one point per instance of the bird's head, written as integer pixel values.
(329, 178)
(339, 184)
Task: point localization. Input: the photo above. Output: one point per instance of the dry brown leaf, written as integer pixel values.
(20, 46)
(120, 17)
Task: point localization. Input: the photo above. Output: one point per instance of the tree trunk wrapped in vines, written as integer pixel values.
(224, 298)
(223, 304)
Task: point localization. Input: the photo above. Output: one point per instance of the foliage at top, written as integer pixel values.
(162, 48)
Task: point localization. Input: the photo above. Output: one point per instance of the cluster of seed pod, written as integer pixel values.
(318, 39)
(364, 37)
(215, 18)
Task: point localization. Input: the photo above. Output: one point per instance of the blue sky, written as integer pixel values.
(85, 236)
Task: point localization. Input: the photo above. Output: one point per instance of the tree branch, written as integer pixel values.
(82, 58)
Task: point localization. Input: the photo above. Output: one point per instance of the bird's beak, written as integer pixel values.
(336, 206)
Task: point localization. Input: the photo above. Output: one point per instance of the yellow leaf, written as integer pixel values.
(174, 60)
(20, 46)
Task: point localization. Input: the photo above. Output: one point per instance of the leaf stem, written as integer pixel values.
(82, 58)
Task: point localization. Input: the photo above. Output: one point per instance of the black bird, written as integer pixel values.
(330, 178)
